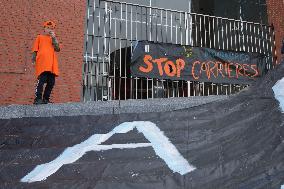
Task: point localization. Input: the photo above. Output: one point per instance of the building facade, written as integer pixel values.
(22, 21)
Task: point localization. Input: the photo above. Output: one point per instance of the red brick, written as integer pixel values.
(275, 9)
(21, 22)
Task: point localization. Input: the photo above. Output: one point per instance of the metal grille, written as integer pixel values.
(113, 28)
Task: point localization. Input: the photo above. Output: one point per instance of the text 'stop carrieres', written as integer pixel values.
(177, 62)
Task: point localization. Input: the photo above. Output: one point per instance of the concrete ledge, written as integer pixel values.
(105, 107)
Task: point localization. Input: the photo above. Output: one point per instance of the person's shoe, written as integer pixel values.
(38, 101)
(45, 101)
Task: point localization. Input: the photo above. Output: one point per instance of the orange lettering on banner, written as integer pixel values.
(170, 68)
(193, 69)
(238, 70)
(220, 68)
(205, 68)
(180, 66)
(211, 68)
(254, 67)
(159, 63)
(229, 70)
(245, 68)
(149, 68)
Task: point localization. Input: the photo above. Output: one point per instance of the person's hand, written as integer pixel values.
(33, 63)
(52, 33)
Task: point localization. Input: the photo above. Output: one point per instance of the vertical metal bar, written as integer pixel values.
(136, 24)
(209, 32)
(190, 30)
(109, 51)
(217, 89)
(177, 88)
(104, 30)
(163, 84)
(166, 26)
(231, 36)
(257, 42)
(150, 20)
(205, 31)
(200, 30)
(251, 43)
(88, 62)
(254, 43)
(262, 40)
(212, 88)
(214, 33)
(208, 89)
(188, 88)
(226, 32)
(156, 26)
(146, 21)
(84, 68)
(252, 37)
(120, 67)
(98, 63)
(243, 36)
(176, 29)
(238, 46)
(171, 27)
(151, 33)
(247, 38)
(203, 89)
(196, 32)
(239, 37)
(235, 37)
(141, 37)
(136, 41)
(126, 17)
(223, 41)
(194, 88)
(180, 28)
(161, 27)
(104, 51)
(97, 66)
(131, 48)
(218, 34)
(186, 22)
(125, 54)
(115, 50)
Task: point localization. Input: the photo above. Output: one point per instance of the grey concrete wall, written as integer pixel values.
(105, 107)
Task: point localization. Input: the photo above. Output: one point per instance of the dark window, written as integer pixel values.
(247, 10)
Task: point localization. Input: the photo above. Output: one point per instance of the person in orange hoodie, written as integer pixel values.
(45, 60)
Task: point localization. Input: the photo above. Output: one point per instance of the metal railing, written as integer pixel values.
(113, 28)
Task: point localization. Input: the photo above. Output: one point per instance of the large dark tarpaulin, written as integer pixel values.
(177, 62)
(234, 144)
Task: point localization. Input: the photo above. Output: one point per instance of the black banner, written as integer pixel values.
(177, 62)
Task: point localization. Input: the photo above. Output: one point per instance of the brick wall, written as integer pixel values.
(275, 9)
(21, 22)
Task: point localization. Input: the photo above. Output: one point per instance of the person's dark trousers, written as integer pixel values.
(49, 79)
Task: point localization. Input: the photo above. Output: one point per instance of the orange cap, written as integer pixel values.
(49, 24)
